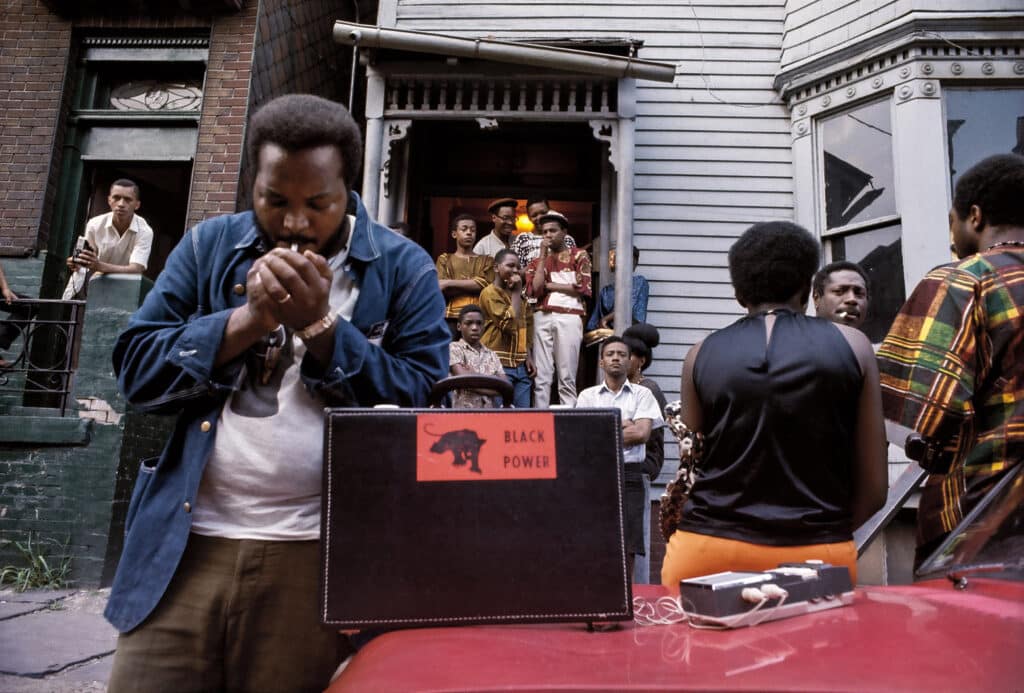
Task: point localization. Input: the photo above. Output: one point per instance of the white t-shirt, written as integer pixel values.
(262, 480)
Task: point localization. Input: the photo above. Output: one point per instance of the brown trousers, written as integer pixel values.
(239, 615)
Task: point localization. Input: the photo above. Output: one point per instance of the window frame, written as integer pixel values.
(826, 233)
(912, 73)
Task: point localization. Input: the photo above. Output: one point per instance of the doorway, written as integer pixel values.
(455, 167)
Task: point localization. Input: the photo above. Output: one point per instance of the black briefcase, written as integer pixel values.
(448, 517)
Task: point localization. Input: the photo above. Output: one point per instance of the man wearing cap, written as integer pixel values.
(503, 214)
(559, 279)
(527, 245)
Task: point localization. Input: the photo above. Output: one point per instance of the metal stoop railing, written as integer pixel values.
(39, 355)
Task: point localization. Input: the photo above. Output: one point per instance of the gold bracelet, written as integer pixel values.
(319, 327)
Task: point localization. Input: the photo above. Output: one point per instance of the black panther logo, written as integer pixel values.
(463, 444)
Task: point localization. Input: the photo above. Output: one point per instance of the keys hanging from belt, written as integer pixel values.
(272, 356)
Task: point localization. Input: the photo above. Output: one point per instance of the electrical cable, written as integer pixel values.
(775, 101)
(664, 611)
(667, 611)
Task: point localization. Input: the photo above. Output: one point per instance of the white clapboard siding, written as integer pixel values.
(713, 150)
(815, 27)
(761, 169)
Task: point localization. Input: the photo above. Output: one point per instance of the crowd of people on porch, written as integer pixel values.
(534, 290)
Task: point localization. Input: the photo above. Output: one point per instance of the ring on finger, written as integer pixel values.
(287, 298)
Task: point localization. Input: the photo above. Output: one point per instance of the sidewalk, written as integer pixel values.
(55, 641)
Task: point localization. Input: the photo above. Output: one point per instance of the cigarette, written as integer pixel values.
(295, 249)
(844, 315)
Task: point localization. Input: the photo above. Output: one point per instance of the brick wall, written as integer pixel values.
(222, 125)
(77, 489)
(34, 47)
(23, 274)
(35, 44)
(296, 53)
(58, 493)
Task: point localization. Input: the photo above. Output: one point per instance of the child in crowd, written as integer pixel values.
(468, 356)
(462, 274)
(508, 325)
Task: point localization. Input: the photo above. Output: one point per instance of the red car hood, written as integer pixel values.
(927, 636)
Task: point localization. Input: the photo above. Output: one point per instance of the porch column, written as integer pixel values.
(373, 150)
(624, 208)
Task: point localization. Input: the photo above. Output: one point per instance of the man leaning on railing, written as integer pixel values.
(117, 242)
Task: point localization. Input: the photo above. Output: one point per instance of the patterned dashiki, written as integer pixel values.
(480, 360)
(508, 337)
(952, 368)
(479, 268)
(567, 266)
(526, 246)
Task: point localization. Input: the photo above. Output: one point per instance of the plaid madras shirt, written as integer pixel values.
(952, 368)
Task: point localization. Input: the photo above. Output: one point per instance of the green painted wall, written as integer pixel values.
(69, 478)
(24, 274)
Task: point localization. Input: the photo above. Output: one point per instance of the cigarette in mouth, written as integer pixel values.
(295, 249)
(844, 315)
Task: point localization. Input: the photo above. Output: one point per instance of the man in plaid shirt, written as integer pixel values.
(952, 365)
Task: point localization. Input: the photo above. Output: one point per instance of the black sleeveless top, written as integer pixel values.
(779, 425)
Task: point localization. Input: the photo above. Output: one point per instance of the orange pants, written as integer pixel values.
(690, 555)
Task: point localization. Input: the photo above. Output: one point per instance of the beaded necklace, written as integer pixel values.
(1003, 244)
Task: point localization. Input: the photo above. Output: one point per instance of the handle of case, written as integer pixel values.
(470, 382)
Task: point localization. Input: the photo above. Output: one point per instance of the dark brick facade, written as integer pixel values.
(37, 46)
(296, 53)
(68, 479)
(263, 50)
(222, 126)
(34, 46)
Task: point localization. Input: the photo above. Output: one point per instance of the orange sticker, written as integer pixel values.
(485, 446)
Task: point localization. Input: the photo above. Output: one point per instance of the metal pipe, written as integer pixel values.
(567, 59)
(624, 210)
(373, 154)
(624, 228)
(352, 76)
(355, 60)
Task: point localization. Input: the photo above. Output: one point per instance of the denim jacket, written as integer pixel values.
(392, 351)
